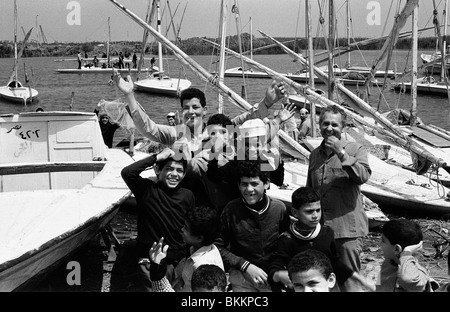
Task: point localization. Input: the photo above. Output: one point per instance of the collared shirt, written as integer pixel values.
(339, 184)
(183, 272)
(408, 276)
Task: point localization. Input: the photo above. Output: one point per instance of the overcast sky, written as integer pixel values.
(86, 20)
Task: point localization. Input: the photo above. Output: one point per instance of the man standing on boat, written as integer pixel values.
(79, 57)
(337, 169)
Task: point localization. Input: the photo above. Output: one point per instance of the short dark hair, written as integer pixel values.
(161, 163)
(205, 221)
(304, 195)
(209, 276)
(403, 232)
(310, 259)
(191, 93)
(334, 109)
(219, 119)
(251, 169)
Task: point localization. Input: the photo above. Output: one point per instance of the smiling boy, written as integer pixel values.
(250, 226)
(161, 205)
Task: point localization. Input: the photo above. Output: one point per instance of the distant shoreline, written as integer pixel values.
(196, 46)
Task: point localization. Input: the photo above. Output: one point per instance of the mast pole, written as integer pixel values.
(414, 68)
(158, 29)
(15, 43)
(330, 48)
(223, 31)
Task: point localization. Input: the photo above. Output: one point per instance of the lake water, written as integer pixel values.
(55, 89)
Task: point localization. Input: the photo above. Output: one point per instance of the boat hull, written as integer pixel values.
(164, 86)
(33, 267)
(99, 70)
(59, 185)
(18, 95)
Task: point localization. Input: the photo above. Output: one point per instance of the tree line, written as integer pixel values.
(197, 46)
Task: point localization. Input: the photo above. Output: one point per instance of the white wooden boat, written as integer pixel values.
(436, 67)
(60, 185)
(300, 77)
(426, 85)
(100, 70)
(14, 91)
(158, 82)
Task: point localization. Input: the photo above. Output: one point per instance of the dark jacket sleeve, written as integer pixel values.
(131, 174)
(279, 259)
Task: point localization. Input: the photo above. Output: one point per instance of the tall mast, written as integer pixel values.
(414, 67)
(158, 28)
(311, 63)
(330, 48)
(251, 39)
(223, 15)
(444, 44)
(108, 43)
(348, 31)
(15, 42)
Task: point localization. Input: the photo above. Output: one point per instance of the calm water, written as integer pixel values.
(55, 89)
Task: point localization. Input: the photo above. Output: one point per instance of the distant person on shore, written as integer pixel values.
(311, 271)
(95, 61)
(121, 65)
(152, 62)
(79, 58)
(401, 240)
(134, 60)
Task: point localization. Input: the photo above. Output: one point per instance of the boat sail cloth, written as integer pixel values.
(117, 111)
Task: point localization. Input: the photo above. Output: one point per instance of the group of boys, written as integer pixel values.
(184, 227)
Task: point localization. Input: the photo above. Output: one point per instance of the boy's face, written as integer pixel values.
(309, 214)
(389, 251)
(252, 189)
(188, 238)
(193, 112)
(171, 174)
(104, 119)
(171, 121)
(312, 281)
(218, 135)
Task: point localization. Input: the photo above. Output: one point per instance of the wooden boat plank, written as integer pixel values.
(430, 137)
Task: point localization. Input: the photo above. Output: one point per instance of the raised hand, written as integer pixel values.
(274, 93)
(125, 86)
(287, 111)
(158, 252)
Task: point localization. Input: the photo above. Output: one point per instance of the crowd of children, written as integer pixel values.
(207, 223)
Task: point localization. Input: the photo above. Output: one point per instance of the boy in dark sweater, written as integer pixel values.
(161, 205)
(250, 227)
(306, 232)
